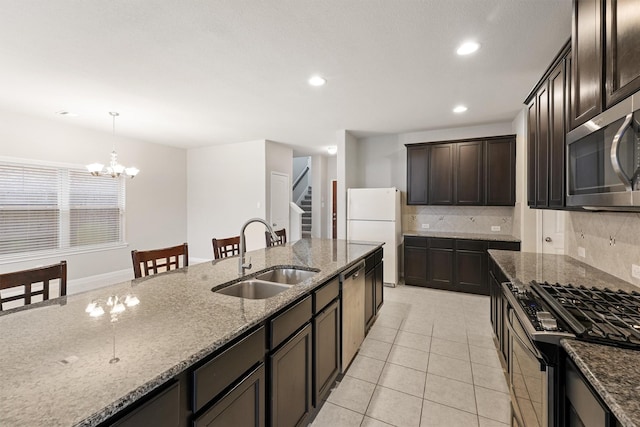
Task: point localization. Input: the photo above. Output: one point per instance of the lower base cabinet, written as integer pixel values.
(373, 283)
(291, 381)
(451, 264)
(242, 406)
(163, 410)
(326, 351)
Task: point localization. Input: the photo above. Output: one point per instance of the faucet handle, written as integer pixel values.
(247, 265)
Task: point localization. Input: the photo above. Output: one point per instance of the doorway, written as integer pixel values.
(334, 209)
(279, 208)
(550, 231)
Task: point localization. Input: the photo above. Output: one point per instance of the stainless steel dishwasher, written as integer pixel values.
(352, 282)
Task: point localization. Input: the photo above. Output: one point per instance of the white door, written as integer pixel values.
(280, 192)
(551, 238)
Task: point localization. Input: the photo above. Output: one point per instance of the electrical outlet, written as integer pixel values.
(581, 252)
(425, 226)
(635, 271)
(495, 228)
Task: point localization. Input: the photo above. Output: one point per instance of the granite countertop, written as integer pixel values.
(459, 235)
(613, 372)
(55, 357)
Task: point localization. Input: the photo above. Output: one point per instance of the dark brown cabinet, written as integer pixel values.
(479, 171)
(546, 119)
(605, 36)
(586, 48)
(622, 47)
(291, 380)
(469, 173)
(242, 406)
(326, 350)
(417, 173)
(441, 174)
(162, 410)
(452, 264)
(373, 282)
(500, 163)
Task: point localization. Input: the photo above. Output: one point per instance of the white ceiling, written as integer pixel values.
(202, 72)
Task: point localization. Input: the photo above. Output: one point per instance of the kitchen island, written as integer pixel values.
(611, 372)
(56, 368)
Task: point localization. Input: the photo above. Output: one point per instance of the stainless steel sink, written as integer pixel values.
(254, 289)
(287, 276)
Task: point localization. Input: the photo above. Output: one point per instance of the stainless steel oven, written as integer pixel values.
(603, 159)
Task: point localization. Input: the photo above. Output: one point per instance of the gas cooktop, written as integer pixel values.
(602, 316)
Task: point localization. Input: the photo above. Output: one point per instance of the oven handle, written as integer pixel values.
(615, 148)
(530, 348)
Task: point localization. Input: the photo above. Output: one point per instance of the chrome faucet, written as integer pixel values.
(241, 265)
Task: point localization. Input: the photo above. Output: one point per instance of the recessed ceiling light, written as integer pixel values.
(66, 113)
(467, 48)
(332, 150)
(317, 81)
(460, 109)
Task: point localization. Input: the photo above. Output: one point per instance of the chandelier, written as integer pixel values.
(114, 169)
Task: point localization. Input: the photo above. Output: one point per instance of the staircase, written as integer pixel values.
(305, 205)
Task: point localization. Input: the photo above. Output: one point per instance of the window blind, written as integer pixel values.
(50, 208)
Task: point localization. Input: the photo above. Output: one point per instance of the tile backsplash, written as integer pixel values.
(467, 219)
(611, 241)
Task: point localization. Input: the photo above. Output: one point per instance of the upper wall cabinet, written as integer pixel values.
(479, 171)
(547, 114)
(605, 36)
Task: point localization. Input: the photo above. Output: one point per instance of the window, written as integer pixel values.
(47, 209)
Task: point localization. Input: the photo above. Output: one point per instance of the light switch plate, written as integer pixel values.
(635, 271)
(582, 252)
(425, 225)
(495, 228)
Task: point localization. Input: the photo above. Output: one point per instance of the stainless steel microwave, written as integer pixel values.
(603, 159)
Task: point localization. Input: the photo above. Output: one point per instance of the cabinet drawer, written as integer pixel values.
(163, 410)
(369, 262)
(471, 245)
(378, 256)
(325, 295)
(505, 246)
(286, 323)
(216, 375)
(418, 242)
(441, 243)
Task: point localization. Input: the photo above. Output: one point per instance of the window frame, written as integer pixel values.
(64, 218)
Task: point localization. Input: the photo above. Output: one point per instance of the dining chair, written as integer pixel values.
(281, 240)
(34, 282)
(156, 261)
(223, 248)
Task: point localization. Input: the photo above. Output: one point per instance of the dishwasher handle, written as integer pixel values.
(353, 273)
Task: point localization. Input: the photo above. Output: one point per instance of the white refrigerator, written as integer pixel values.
(373, 214)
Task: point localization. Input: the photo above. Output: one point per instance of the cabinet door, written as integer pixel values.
(586, 48)
(369, 298)
(243, 406)
(415, 265)
(532, 135)
(440, 263)
(379, 275)
(326, 344)
(556, 135)
(500, 171)
(291, 381)
(542, 148)
(471, 271)
(417, 174)
(469, 173)
(163, 410)
(622, 49)
(441, 158)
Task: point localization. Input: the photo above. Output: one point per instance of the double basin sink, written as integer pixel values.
(267, 284)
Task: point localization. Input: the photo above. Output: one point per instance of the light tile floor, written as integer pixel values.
(429, 360)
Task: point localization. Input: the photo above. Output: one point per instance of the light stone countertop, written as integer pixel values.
(459, 235)
(613, 372)
(178, 322)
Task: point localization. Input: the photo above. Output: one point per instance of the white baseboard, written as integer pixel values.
(98, 281)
